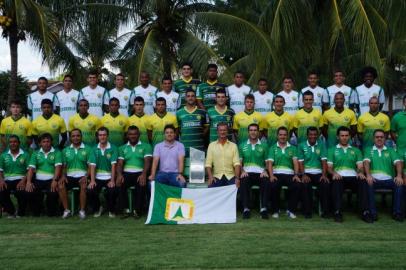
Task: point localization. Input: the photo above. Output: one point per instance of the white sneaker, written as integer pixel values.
(82, 214)
(275, 215)
(98, 213)
(112, 215)
(66, 213)
(290, 214)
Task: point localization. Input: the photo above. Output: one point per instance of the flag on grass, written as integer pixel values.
(173, 205)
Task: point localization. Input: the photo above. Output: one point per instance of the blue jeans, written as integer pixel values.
(169, 178)
(386, 184)
(222, 182)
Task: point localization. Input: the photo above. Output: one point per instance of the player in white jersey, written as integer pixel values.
(338, 86)
(146, 91)
(291, 96)
(367, 90)
(34, 99)
(237, 92)
(318, 92)
(122, 94)
(263, 97)
(67, 99)
(97, 96)
(172, 98)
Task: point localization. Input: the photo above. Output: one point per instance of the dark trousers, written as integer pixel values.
(246, 185)
(130, 180)
(5, 198)
(397, 193)
(93, 196)
(223, 181)
(293, 191)
(358, 187)
(36, 198)
(307, 194)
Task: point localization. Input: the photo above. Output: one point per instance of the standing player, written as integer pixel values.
(172, 98)
(115, 122)
(368, 89)
(75, 172)
(206, 91)
(50, 123)
(103, 161)
(16, 124)
(185, 82)
(276, 119)
(85, 122)
(291, 96)
(158, 121)
(34, 99)
(398, 129)
(237, 92)
(263, 98)
(318, 92)
(67, 99)
(140, 119)
(220, 113)
(338, 116)
(97, 96)
(338, 86)
(370, 121)
(243, 119)
(122, 94)
(146, 91)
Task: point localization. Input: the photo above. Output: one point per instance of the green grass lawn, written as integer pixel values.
(53, 243)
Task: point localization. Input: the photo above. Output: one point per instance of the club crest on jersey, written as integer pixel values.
(314, 119)
(375, 94)
(318, 151)
(294, 98)
(194, 87)
(99, 95)
(108, 155)
(54, 126)
(319, 94)
(381, 122)
(21, 127)
(386, 154)
(22, 160)
(126, 98)
(268, 101)
(345, 93)
(198, 117)
(51, 157)
(120, 123)
(73, 99)
(255, 120)
(346, 118)
(173, 100)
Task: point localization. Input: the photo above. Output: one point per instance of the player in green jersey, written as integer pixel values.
(185, 82)
(345, 165)
(398, 129)
(13, 169)
(312, 158)
(220, 113)
(253, 153)
(283, 170)
(43, 174)
(383, 169)
(206, 91)
(133, 165)
(103, 161)
(75, 172)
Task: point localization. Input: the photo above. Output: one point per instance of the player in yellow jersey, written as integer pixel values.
(50, 123)
(140, 119)
(115, 122)
(243, 119)
(277, 118)
(16, 124)
(84, 121)
(306, 117)
(159, 120)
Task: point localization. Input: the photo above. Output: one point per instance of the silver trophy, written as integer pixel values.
(196, 174)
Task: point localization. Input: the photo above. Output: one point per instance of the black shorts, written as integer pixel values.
(73, 182)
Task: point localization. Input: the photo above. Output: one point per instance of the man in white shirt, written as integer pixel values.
(122, 94)
(368, 89)
(172, 98)
(263, 97)
(318, 92)
(35, 98)
(338, 86)
(237, 92)
(67, 99)
(291, 96)
(97, 96)
(146, 91)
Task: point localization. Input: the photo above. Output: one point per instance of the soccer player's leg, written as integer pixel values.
(94, 200)
(306, 194)
(16, 187)
(323, 189)
(275, 191)
(129, 181)
(245, 192)
(337, 189)
(293, 194)
(51, 200)
(5, 200)
(110, 194)
(35, 198)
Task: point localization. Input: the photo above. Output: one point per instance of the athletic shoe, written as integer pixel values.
(290, 214)
(82, 214)
(275, 215)
(136, 215)
(66, 213)
(366, 217)
(264, 214)
(11, 217)
(338, 217)
(246, 214)
(98, 213)
(112, 215)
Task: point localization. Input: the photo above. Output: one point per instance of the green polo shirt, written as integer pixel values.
(103, 159)
(398, 126)
(282, 158)
(14, 168)
(76, 160)
(253, 156)
(133, 156)
(45, 163)
(311, 156)
(344, 160)
(382, 162)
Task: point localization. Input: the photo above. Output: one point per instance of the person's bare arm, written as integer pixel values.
(154, 167)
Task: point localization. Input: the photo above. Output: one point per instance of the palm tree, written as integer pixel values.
(21, 20)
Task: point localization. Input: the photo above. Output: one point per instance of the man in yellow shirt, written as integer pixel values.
(50, 123)
(115, 122)
(243, 119)
(336, 117)
(370, 121)
(277, 118)
(159, 120)
(140, 119)
(84, 121)
(16, 124)
(306, 117)
(222, 161)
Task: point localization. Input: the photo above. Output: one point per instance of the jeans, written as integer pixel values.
(169, 178)
(223, 181)
(386, 184)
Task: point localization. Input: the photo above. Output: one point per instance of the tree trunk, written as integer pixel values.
(13, 43)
